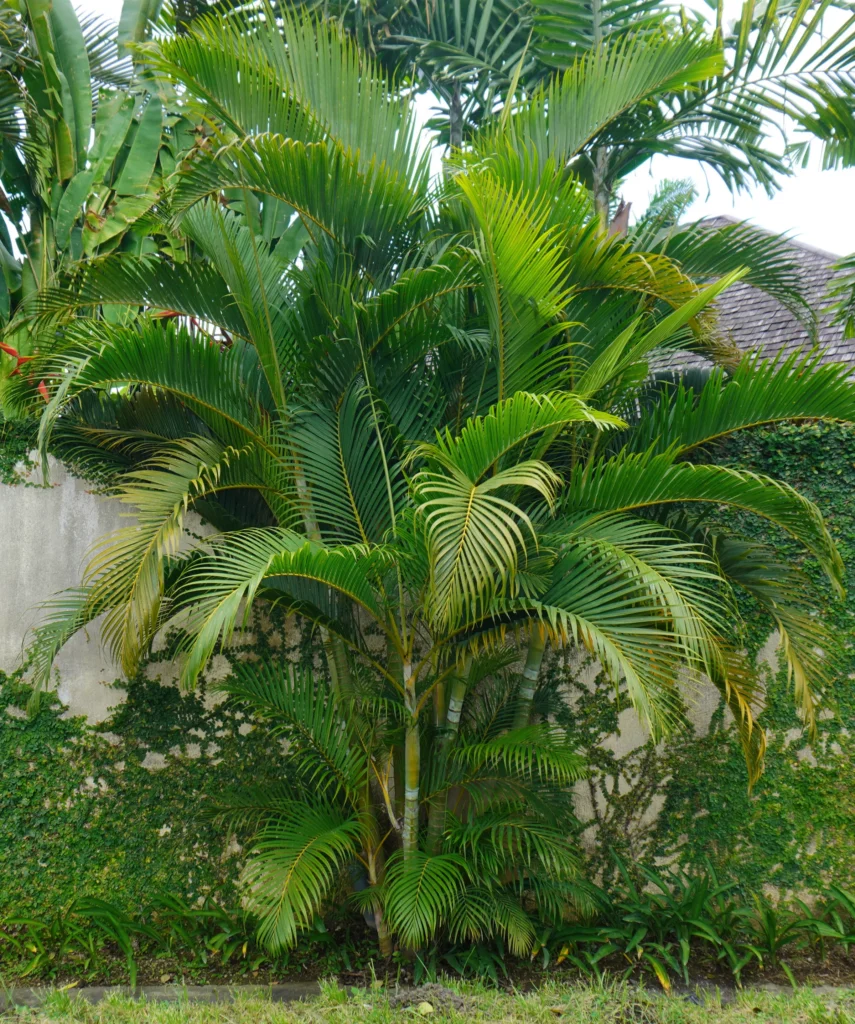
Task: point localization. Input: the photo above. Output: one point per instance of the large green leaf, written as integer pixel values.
(140, 162)
(367, 213)
(72, 62)
(135, 20)
(299, 707)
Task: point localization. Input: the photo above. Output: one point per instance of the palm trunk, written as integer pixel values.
(436, 819)
(533, 661)
(601, 187)
(375, 876)
(412, 766)
(455, 119)
(339, 663)
(336, 653)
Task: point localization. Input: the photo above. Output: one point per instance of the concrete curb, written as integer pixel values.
(290, 993)
(295, 991)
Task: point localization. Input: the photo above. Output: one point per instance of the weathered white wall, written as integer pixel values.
(47, 532)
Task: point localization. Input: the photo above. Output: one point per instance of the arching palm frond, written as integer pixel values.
(300, 708)
(796, 65)
(630, 481)
(563, 117)
(221, 585)
(632, 346)
(155, 284)
(783, 593)
(355, 481)
(483, 443)
(126, 570)
(299, 77)
(422, 892)
(706, 252)
(600, 600)
(537, 752)
(475, 536)
(522, 275)
(512, 841)
(363, 212)
(225, 389)
(799, 387)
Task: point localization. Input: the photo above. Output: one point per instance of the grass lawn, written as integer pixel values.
(465, 1003)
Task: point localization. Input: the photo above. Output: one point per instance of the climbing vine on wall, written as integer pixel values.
(118, 810)
(687, 801)
(17, 439)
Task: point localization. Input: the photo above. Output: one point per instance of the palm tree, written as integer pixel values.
(780, 81)
(423, 418)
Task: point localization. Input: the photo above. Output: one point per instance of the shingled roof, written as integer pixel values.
(753, 320)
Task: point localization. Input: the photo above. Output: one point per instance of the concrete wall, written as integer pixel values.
(47, 534)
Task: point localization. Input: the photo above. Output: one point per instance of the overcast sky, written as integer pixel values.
(817, 206)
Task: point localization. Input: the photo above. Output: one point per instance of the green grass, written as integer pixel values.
(570, 1005)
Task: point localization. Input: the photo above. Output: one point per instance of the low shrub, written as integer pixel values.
(659, 925)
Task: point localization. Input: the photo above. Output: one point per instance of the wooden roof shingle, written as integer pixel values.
(753, 320)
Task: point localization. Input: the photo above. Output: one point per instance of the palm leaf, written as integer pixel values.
(799, 387)
(298, 77)
(565, 116)
(630, 481)
(522, 276)
(294, 865)
(422, 891)
(296, 705)
(364, 212)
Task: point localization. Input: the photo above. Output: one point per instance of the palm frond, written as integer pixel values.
(366, 213)
(706, 252)
(295, 864)
(522, 276)
(355, 489)
(302, 709)
(535, 752)
(297, 76)
(484, 441)
(422, 892)
(799, 387)
(476, 537)
(221, 585)
(563, 117)
(632, 481)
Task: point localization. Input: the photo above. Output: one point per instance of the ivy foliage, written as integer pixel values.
(116, 810)
(79, 811)
(17, 439)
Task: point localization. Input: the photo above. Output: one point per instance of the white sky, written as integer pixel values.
(816, 206)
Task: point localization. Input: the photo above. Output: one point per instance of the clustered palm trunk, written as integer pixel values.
(423, 418)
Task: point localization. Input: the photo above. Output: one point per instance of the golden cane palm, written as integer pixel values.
(423, 413)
